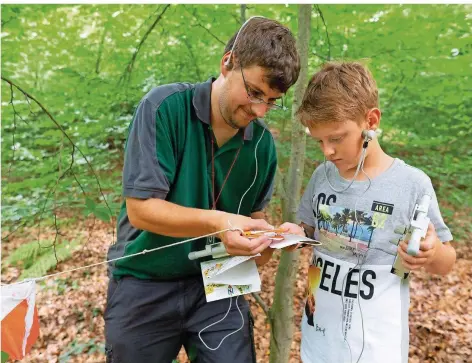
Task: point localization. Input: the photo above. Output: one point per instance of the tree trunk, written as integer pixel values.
(243, 13)
(282, 313)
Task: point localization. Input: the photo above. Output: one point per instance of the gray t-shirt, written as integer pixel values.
(355, 307)
(388, 202)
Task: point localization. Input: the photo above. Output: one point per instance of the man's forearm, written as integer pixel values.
(443, 260)
(169, 219)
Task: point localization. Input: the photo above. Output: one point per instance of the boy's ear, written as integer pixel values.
(373, 118)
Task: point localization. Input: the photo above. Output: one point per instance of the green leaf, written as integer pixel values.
(192, 353)
(90, 204)
(102, 213)
(5, 357)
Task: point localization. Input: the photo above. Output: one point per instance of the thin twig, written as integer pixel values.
(194, 14)
(59, 126)
(129, 68)
(261, 303)
(193, 59)
(326, 30)
(320, 56)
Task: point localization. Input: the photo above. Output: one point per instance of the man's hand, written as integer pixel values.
(292, 228)
(428, 249)
(238, 245)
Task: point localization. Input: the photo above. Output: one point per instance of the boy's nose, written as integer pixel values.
(328, 151)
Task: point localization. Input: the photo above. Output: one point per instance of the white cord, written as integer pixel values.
(360, 167)
(361, 163)
(239, 208)
(255, 175)
(216, 322)
(127, 256)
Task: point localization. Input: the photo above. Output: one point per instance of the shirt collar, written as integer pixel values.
(202, 104)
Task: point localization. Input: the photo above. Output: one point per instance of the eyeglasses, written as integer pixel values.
(257, 100)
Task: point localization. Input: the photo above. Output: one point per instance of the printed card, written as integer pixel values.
(230, 276)
(291, 239)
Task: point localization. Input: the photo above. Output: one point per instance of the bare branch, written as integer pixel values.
(192, 58)
(262, 304)
(129, 68)
(100, 50)
(320, 56)
(326, 30)
(13, 146)
(213, 35)
(195, 15)
(395, 90)
(75, 147)
(390, 51)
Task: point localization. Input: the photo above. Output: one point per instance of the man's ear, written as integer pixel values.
(226, 63)
(373, 118)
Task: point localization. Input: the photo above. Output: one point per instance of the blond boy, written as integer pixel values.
(352, 204)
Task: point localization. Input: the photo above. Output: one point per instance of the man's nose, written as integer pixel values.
(259, 109)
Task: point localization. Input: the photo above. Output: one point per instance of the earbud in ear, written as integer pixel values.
(369, 135)
(226, 63)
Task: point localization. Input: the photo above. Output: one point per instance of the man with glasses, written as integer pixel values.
(197, 160)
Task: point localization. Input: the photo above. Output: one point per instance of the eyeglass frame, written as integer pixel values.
(258, 101)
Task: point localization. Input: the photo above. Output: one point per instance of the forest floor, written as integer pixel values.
(71, 306)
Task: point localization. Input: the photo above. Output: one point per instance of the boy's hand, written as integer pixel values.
(292, 228)
(428, 248)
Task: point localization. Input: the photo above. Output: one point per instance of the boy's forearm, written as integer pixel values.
(443, 260)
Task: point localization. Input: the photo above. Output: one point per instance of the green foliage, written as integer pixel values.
(36, 259)
(75, 60)
(99, 211)
(4, 357)
(76, 348)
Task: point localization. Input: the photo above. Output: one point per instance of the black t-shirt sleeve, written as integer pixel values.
(143, 178)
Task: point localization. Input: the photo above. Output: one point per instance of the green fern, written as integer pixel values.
(48, 261)
(26, 254)
(36, 261)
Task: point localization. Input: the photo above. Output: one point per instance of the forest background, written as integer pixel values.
(72, 76)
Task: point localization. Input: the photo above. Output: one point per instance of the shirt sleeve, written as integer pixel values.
(143, 177)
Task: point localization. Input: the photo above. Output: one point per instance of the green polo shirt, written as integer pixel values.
(168, 156)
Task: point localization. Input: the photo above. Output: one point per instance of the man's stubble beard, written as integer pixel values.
(225, 112)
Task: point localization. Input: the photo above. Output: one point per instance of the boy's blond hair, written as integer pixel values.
(340, 91)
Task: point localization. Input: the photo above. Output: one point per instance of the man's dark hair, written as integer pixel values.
(268, 44)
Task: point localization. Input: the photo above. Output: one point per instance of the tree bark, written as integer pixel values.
(282, 313)
(243, 13)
